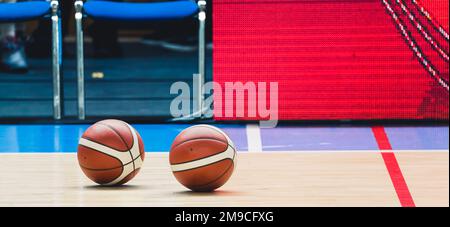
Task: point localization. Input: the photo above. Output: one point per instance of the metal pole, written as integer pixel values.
(80, 59)
(56, 61)
(201, 56)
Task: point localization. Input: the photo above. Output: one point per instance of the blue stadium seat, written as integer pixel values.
(132, 12)
(140, 11)
(23, 11)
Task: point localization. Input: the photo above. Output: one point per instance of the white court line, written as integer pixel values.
(254, 138)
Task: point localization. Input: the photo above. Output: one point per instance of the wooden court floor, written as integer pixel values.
(260, 179)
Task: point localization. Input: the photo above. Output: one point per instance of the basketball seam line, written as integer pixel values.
(215, 129)
(134, 174)
(132, 144)
(93, 140)
(100, 152)
(219, 131)
(179, 163)
(218, 178)
(232, 159)
(184, 170)
(200, 138)
(122, 169)
(121, 138)
(221, 175)
(124, 142)
(126, 126)
(108, 168)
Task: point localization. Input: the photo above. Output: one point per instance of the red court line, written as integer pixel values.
(401, 188)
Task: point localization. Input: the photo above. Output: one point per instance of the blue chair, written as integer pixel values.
(31, 10)
(119, 11)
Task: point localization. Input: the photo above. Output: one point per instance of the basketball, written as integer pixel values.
(111, 152)
(202, 158)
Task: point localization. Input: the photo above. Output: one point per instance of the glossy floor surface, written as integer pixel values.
(291, 165)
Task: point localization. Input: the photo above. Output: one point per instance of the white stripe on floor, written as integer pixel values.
(254, 138)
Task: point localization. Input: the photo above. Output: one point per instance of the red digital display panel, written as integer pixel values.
(337, 59)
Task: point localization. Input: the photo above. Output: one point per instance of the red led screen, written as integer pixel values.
(337, 59)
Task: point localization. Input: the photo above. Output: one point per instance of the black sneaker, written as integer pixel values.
(12, 56)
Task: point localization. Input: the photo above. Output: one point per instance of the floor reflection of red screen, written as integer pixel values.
(338, 59)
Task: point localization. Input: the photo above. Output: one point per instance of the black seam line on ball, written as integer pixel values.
(111, 168)
(123, 140)
(94, 141)
(178, 163)
(108, 154)
(120, 136)
(126, 126)
(232, 160)
(200, 138)
(217, 130)
(221, 175)
(81, 145)
(218, 178)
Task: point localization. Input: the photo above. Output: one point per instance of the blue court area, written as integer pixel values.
(318, 138)
(64, 138)
(159, 137)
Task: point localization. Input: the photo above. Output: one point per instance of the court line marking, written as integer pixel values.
(395, 172)
(254, 142)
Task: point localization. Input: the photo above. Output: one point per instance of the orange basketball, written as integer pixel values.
(202, 158)
(111, 152)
